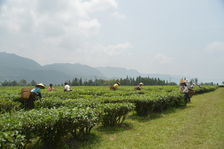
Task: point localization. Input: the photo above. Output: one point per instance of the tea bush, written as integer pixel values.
(47, 124)
(115, 113)
(7, 105)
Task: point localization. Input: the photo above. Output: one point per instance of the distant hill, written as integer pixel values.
(14, 67)
(13, 61)
(76, 70)
(116, 72)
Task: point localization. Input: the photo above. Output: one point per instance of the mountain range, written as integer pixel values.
(14, 67)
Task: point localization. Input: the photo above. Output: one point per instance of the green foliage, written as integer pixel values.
(70, 103)
(112, 113)
(11, 140)
(9, 105)
(115, 113)
(204, 89)
(123, 81)
(48, 124)
(157, 103)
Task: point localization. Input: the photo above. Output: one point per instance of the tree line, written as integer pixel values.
(18, 83)
(96, 82)
(128, 81)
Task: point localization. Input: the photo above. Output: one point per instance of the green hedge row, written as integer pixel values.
(152, 104)
(71, 103)
(202, 90)
(51, 124)
(17, 129)
(146, 104)
(113, 113)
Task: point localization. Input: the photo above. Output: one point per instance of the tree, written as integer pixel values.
(33, 83)
(23, 82)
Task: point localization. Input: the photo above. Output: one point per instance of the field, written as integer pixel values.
(96, 117)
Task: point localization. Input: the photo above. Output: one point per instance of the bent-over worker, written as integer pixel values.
(115, 86)
(184, 89)
(139, 87)
(35, 95)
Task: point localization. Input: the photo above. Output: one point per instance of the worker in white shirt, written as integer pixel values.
(67, 87)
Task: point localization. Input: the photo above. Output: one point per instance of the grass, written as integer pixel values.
(200, 125)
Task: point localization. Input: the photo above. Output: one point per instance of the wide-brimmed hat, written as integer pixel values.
(183, 81)
(40, 85)
(141, 83)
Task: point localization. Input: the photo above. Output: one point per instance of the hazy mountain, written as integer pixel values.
(14, 61)
(116, 72)
(14, 67)
(75, 70)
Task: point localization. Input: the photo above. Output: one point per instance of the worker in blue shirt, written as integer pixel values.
(35, 95)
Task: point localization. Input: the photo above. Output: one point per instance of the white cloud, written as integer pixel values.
(161, 59)
(99, 5)
(89, 27)
(216, 46)
(116, 49)
(119, 15)
(106, 51)
(40, 28)
(70, 16)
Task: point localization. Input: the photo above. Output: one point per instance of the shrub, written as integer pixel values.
(115, 113)
(9, 105)
(48, 124)
(71, 103)
(204, 89)
(157, 103)
(144, 107)
(11, 140)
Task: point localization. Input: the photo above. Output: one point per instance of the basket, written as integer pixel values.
(25, 93)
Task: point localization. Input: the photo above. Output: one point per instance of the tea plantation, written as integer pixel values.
(73, 119)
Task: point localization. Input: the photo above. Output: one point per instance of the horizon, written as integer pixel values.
(174, 37)
(141, 74)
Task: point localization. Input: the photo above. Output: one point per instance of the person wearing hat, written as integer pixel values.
(139, 87)
(185, 90)
(115, 86)
(35, 95)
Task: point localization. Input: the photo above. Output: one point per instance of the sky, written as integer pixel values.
(177, 37)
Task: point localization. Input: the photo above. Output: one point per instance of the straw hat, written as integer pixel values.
(183, 81)
(141, 83)
(41, 85)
